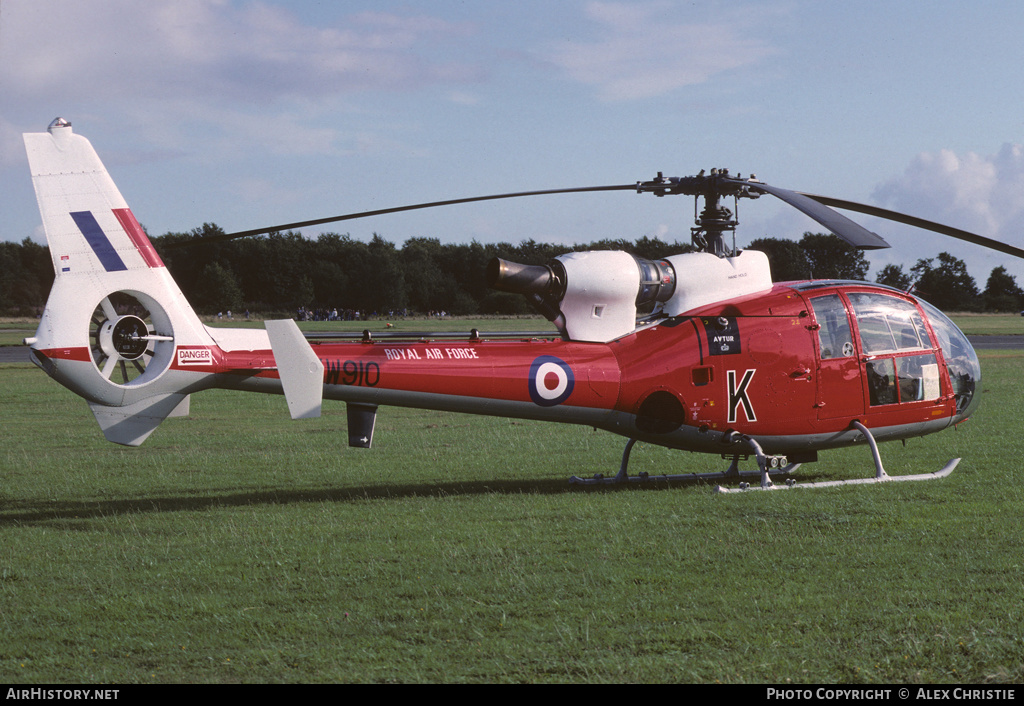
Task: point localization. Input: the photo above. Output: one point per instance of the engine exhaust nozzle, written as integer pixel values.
(541, 280)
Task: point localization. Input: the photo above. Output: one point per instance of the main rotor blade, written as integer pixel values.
(918, 223)
(383, 211)
(850, 231)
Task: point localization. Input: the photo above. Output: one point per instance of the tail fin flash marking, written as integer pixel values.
(98, 241)
(131, 226)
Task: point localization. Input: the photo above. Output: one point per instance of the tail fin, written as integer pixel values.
(114, 318)
(89, 227)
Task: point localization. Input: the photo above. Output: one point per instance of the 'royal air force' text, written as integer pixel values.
(367, 373)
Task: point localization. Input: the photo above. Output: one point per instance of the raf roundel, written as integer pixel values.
(551, 381)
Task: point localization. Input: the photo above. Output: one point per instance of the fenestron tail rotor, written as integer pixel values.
(124, 338)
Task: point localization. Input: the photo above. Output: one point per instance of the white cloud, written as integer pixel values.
(642, 52)
(215, 49)
(982, 194)
(215, 70)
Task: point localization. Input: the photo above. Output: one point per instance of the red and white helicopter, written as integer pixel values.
(698, 351)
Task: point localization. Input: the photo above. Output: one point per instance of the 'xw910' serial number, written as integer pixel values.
(351, 372)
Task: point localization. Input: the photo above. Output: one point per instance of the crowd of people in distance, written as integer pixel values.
(323, 314)
(333, 314)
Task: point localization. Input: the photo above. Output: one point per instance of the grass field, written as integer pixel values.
(239, 546)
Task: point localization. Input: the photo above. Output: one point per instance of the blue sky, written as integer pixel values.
(256, 113)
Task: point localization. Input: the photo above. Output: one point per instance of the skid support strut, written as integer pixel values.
(766, 465)
(880, 475)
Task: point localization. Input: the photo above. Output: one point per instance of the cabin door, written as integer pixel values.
(840, 387)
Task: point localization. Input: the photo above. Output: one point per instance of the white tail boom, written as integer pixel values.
(116, 328)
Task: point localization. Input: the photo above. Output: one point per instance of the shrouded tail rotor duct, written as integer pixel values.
(132, 340)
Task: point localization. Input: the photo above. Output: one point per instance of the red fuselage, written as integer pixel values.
(792, 367)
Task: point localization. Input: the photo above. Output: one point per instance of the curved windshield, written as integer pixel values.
(961, 360)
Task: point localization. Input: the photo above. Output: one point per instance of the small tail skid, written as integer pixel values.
(116, 329)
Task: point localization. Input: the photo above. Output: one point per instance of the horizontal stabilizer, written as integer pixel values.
(301, 372)
(132, 424)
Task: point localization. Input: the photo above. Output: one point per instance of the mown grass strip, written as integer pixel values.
(239, 546)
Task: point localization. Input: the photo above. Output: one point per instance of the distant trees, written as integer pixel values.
(1001, 292)
(26, 275)
(787, 261)
(283, 272)
(816, 256)
(831, 257)
(894, 276)
(217, 289)
(947, 284)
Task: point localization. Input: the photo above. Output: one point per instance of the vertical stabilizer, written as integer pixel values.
(115, 318)
(88, 224)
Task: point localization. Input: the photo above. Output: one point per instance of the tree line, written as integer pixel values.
(285, 272)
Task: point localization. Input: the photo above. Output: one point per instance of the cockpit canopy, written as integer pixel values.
(900, 362)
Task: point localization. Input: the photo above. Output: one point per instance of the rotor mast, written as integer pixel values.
(715, 220)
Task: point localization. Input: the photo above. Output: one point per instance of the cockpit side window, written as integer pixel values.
(888, 324)
(901, 365)
(834, 336)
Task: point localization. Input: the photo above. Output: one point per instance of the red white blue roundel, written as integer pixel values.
(551, 381)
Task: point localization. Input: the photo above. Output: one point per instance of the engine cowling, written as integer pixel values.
(598, 295)
(591, 296)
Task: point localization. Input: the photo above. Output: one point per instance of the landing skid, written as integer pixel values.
(775, 464)
(880, 475)
(767, 466)
(884, 478)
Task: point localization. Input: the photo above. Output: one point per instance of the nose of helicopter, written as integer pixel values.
(972, 367)
(961, 361)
